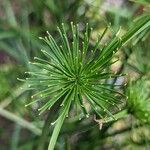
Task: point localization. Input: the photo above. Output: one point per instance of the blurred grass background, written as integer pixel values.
(21, 23)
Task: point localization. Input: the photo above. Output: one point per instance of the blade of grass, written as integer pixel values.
(23, 123)
(59, 123)
(15, 137)
(9, 13)
(14, 94)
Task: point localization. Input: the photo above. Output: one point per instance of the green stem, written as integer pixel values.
(59, 123)
(14, 94)
(45, 131)
(23, 123)
(117, 116)
(15, 137)
(56, 132)
(46, 128)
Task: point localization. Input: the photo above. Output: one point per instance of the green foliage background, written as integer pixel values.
(22, 22)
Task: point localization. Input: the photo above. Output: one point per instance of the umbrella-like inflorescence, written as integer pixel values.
(73, 71)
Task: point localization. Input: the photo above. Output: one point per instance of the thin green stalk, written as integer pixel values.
(46, 127)
(23, 123)
(15, 137)
(117, 116)
(56, 132)
(14, 94)
(59, 123)
(45, 131)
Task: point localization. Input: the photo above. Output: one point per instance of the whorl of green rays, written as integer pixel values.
(72, 70)
(72, 67)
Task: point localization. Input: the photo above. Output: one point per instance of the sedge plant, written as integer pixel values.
(139, 100)
(72, 71)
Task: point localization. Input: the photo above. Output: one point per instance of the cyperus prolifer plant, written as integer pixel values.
(72, 71)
